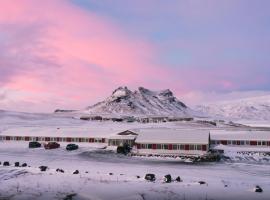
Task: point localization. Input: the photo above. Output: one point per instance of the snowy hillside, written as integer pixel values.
(254, 108)
(141, 102)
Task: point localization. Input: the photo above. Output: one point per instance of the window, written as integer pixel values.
(158, 146)
(150, 146)
(182, 147)
(204, 147)
(263, 143)
(259, 142)
(229, 142)
(97, 140)
(165, 146)
(191, 147)
(242, 142)
(174, 147)
(247, 142)
(234, 142)
(199, 147)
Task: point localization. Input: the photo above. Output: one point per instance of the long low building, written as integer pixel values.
(144, 141)
(47, 134)
(240, 138)
(172, 142)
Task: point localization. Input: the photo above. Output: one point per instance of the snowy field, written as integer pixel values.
(106, 175)
(229, 179)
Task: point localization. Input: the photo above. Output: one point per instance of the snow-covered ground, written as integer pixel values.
(232, 178)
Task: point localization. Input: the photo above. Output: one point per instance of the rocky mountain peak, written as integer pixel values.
(166, 93)
(120, 92)
(143, 90)
(141, 102)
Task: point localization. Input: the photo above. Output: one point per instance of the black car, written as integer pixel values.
(71, 147)
(34, 144)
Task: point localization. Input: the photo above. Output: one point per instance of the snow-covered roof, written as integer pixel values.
(122, 137)
(60, 132)
(172, 136)
(239, 135)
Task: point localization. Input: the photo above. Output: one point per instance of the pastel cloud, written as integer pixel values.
(71, 53)
(56, 49)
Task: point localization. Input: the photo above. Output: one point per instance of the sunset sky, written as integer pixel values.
(72, 53)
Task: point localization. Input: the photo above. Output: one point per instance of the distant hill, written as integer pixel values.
(254, 108)
(143, 101)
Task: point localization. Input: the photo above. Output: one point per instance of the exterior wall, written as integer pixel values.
(242, 142)
(53, 139)
(119, 142)
(171, 149)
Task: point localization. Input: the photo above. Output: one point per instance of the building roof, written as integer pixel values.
(240, 135)
(122, 137)
(60, 132)
(172, 136)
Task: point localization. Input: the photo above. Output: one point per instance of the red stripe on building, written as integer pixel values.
(204, 147)
(224, 142)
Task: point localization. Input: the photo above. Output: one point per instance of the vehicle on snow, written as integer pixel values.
(71, 147)
(34, 144)
(52, 145)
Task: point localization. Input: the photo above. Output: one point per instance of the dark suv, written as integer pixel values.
(34, 144)
(71, 147)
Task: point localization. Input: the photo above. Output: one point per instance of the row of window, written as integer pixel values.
(52, 139)
(191, 147)
(120, 142)
(241, 142)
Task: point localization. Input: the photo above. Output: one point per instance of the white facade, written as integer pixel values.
(241, 138)
(172, 142)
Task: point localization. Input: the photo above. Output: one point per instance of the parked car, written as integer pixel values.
(34, 144)
(71, 147)
(52, 145)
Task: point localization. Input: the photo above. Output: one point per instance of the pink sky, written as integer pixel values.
(58, 54)
(67, 57)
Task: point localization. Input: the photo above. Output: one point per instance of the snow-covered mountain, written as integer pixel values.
(141, 102)
(254, 108)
